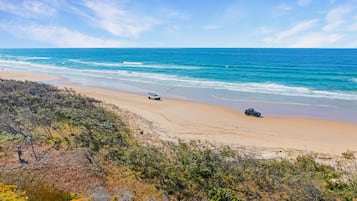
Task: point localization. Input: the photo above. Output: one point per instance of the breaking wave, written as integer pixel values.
(132, 64)
(179, 81)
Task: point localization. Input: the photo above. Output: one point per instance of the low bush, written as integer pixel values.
(33, 113)
(11, 193)
(348, 154)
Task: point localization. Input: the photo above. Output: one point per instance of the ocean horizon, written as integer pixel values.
(317, 83)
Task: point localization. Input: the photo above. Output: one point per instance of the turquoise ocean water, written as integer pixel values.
(319, 83)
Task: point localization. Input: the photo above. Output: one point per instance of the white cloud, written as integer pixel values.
(316, 40)
(352, 27)
(211, 27)
(58, 36)
(353, 44)
(335, 18)
(265, 30)
(303, 2)
(118, 21)
(285, 7)
(232, 13)
(286, 34)
(27, 9)
(177, 15)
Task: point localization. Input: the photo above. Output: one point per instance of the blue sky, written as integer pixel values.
(178, 23)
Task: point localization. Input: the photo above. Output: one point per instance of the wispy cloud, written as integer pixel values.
(174, 14)
(316, 40)
(353, 27)
(285, 34)
(335, 18)
(57, 36)
(285, 7)
(303, 2)
(265, 30)
(353, 44)
(211, 27)
(27, 9)
(282, 9)
(115, 19)
(107, 23)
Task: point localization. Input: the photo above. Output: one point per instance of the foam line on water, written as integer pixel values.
(22, 58)
(174, 80)
(25, 65)
(93, 63)
(131, 64)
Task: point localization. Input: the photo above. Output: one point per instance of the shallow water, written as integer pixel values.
(320, 83)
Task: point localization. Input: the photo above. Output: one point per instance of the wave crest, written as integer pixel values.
(134, 64)
(173, 80)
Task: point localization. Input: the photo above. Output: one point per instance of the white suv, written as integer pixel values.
(153, 96)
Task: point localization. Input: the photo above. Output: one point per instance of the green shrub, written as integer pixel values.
(5, 137)
(42, 192)
(222, 194)
(183, 171)
(348, 155)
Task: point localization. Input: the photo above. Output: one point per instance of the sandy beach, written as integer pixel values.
(26, 76)
(172, 119)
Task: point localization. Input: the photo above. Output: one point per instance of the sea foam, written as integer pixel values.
(181, 81)
(132, 64)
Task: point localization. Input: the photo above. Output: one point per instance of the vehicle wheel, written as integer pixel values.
(149, 98)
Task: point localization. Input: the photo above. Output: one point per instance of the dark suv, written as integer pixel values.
(252, 112)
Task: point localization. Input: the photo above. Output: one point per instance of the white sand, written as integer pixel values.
(198, 121)
(191, 120)
(26, 76)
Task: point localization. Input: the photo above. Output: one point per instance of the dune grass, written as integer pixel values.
(36, 114)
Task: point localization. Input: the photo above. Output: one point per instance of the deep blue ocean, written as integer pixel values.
(319, 83)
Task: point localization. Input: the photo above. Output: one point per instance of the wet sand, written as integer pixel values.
(188, 120)
(198, 121)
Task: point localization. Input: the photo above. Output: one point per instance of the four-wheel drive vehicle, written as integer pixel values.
(252, 112)
(153, 96)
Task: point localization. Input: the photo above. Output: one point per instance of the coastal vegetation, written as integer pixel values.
(56, 144)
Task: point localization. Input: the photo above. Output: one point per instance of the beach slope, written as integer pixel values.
(188, 120)
(172, 119)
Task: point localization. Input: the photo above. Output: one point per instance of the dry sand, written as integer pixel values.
(198, 121)
(26, 76)
(172, 119)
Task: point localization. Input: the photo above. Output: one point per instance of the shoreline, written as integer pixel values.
(267, 104)
(189, 120)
